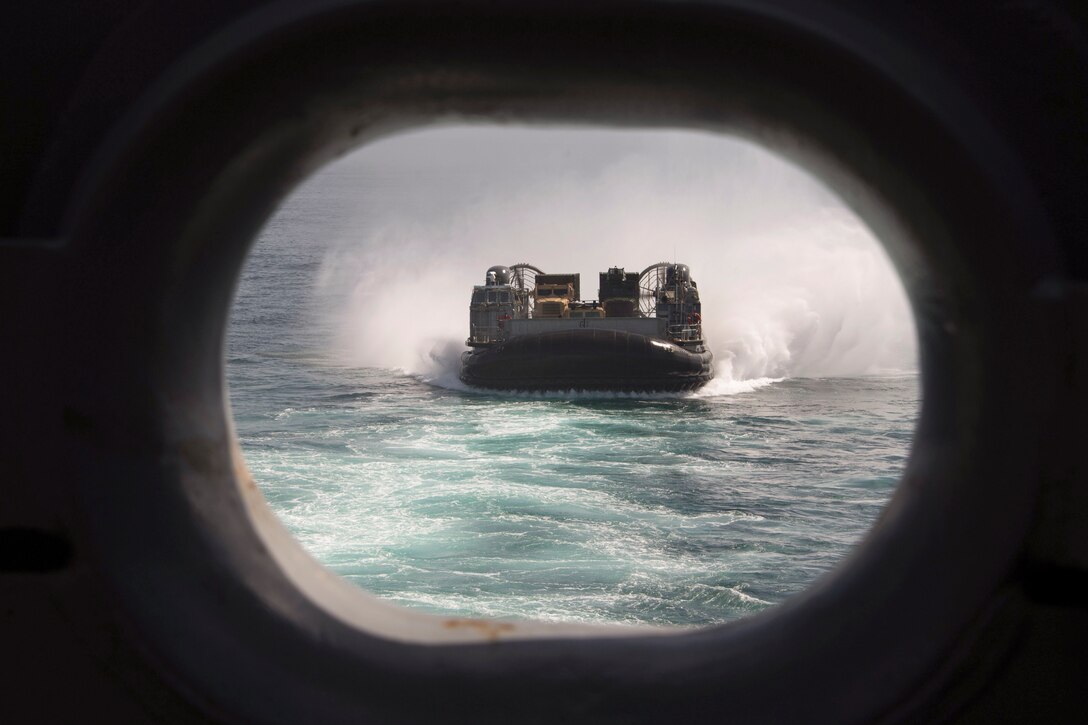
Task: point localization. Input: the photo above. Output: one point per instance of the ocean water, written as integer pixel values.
(665, 509)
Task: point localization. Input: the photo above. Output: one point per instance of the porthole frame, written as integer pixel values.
(214, 589)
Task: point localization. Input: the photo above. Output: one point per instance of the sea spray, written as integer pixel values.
(793, 283)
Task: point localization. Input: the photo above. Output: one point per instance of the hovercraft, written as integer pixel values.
(531, 331)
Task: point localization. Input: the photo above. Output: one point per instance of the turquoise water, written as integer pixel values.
(681, 511)
(684, 510)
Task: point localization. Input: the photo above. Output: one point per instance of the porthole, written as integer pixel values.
(686, 507)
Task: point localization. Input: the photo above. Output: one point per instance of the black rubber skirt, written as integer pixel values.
(586, 359)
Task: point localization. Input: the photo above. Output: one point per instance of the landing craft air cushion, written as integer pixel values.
(531, 331)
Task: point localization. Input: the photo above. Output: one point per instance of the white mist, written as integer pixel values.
(793, 283)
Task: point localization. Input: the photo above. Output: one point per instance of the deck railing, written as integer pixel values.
(480, 334)
(686, 333)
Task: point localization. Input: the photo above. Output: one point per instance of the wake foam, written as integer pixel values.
(720, 386)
